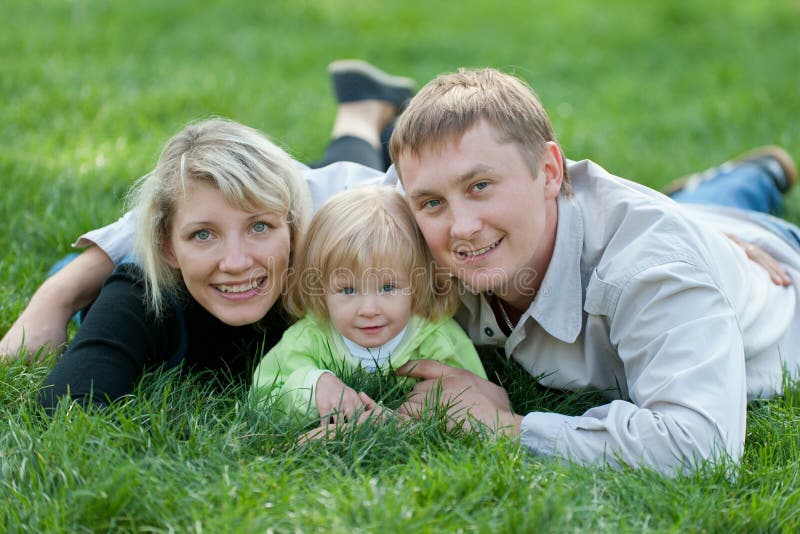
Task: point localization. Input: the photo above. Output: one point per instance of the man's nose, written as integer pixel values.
(465, 223)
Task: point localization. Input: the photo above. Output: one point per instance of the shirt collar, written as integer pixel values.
(372, 358)
(558, 305)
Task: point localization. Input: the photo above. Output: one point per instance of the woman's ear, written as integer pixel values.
(169, 254)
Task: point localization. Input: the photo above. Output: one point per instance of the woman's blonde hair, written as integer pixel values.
(249, 170)
(366, 230)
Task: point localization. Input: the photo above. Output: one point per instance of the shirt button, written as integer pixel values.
(488, 331)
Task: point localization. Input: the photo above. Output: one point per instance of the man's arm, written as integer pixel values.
(683, 356)
(43, 323)
(682, 351)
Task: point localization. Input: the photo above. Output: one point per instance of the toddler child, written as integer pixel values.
(366, 293)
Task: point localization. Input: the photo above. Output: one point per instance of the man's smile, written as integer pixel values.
(470, 254)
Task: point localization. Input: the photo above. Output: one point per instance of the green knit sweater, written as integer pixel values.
(288, 374)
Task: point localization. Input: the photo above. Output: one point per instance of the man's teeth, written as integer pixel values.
(479, 251)
(240, 288)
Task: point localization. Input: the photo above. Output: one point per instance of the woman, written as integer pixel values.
(219, 216)
(217, 221)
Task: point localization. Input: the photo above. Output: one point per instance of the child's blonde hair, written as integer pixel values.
(248, 169)
(359, 230)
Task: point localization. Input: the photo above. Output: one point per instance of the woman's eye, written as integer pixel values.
(432, 203)
(202, 235)
(260, 227)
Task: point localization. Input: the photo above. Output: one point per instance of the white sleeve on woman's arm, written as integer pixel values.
(680, 344)
(115, 239)
(331, 179)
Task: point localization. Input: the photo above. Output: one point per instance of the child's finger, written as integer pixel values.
(314, 434)
(366, 400)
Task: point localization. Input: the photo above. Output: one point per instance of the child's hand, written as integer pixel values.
(373, 412)
(334, 398)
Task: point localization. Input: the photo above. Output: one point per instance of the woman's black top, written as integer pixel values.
(120, 339)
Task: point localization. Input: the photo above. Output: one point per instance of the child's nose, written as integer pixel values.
(369, 306)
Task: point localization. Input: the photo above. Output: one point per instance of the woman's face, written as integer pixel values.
(233, 262)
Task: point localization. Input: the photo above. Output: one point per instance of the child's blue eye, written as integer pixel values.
(347, 291)
(388, 288)
(260, 227)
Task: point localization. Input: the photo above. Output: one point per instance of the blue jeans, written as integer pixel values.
(745, 186)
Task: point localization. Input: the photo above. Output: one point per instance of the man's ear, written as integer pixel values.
(169, 254)
(553, 169)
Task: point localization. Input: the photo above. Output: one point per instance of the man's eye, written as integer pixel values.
(260, 227)
(202, 235)
(347, 290)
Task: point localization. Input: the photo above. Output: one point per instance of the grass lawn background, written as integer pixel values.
(89, 92)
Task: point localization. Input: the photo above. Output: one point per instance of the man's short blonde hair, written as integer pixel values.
(361, 232)
(450, 104)
(248, 169)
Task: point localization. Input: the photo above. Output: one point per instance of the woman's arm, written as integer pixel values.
(43, 323)
(115, 343)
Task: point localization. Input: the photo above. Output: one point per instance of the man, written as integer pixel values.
(594, 282)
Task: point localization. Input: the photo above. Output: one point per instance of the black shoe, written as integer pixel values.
(773, 159)
(355, 80)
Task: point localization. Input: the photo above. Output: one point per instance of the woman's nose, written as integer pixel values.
(237, 257)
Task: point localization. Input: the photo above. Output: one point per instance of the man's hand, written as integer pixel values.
(756, 254)
(467, 397)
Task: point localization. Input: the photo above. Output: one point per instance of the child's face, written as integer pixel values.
(370, 307)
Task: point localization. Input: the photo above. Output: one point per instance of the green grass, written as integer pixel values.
(91, 89)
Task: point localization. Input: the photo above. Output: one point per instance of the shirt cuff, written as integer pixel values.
(116, 239)
(541, 431)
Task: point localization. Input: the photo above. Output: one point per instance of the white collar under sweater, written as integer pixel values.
(375, 357)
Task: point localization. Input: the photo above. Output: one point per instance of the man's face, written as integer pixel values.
(484, 214)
